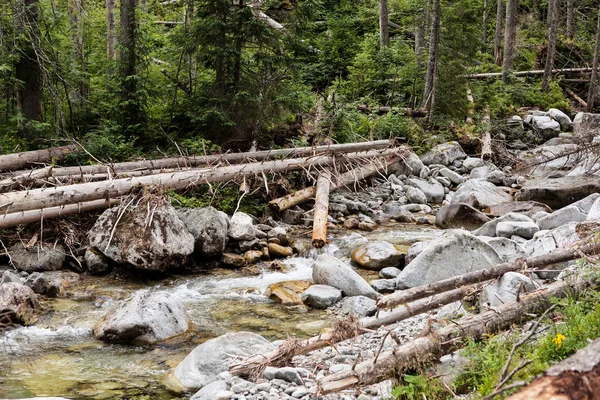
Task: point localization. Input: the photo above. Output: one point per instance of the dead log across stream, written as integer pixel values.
(419, 292)
(527, 73)
(445, 340)
(346, 179)
(577, 377)
(205, 161)
(349, 330)
(62, 195)
(20, 160)
(319, 236)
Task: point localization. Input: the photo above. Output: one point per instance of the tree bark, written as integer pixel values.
(577, 377)
(552, 32)
(245, 367)
(384, 29)
(570, 19)
(24, 159)
(532, 263)
(498, 36)
(484, 23)
(486, 141)
(594, 78)
(51, 197)
(346, 179)
(130, 108)
(528, 73)
(445, 340)
(28, 70)
(470, 107)
(319, 235)
(430, 78)
(510, 39)
(76, 21)
(111, 37)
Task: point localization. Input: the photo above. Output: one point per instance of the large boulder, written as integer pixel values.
(454, 253)
(44, 257)
(154, 240)
(321, 296)
(563, 119)
(408, 164)
(203, 364)
(524, 229)
(560, 217)
(544, 126)
(209, 228)
(144, 318)
(359, 306)
(479, 194)
(528, 208)
(490, 228)
(288, 293)
(242, 227)
(460, 215)
(505, 290)
(415, 195)
(328, 270)
(18, 303)
(586, 124)
(594, 211)
(559, 192)
(445, 154)
(507, 249)
(378, 255)
(431, 188)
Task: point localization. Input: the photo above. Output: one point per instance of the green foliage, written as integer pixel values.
(223, 198)
(412, 387)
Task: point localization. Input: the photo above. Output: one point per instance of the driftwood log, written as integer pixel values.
(349, 331)
(531, 263)
(527, 73)
(344, 180)
(445, 340)
(26, 158)
(319, 235)
(577, 377)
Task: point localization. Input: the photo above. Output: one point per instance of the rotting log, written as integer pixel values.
(577, 377)
(347, 178)
(486, 139)
(526, 73)
(577, 98)
(208, 160)
(319, 235)
(276, 357)
(31, 216)
(21, 160)
(61, 195)
(445, 340)
(531, 263)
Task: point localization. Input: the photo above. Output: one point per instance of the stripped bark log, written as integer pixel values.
(486, 139)
(526, 73)
(577, 98)
(445, 340)
(245, 367)
(26, 158)
(319, 235)
(24, 179)
(470, 107)
(578, 375)
(531, 263)
(347, 178)
(231, 158)
(51, 197)
(31, 216)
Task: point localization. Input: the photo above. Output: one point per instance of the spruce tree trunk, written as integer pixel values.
(510, 39)
(552, 31)
(570, 22)
(111, 37)
(594, 79)
(498, 36)
(384, 28)
(428, 96)
(79, 95)
(130, 111)
(484, 23)
(27, 68)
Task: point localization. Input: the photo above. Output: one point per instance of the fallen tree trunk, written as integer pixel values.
(20, 160)
(27, 217)
(51, 197)
(347, 178)
(526, 73)
(577, 98)
(470, 107)
(577, 377)
(419, 292)
(445, 340)
(486, 140)
(24, 179)
(319, 235)
(231, 158)
(283, 354)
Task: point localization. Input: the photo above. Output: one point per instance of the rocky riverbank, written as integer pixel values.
(429, 218)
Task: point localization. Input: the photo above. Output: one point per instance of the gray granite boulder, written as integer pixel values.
(18, 303)
(431, 188)
(378, 255)
(505, 290)
(212, 391)
(328, 270)
(545, 127)
(560, 217)
(586, 124)
(321, 296)
(44, 257)
(359, 306)
(209, 228)
(454, 253)
(559, 192)
(489, 228)
(460, 215)
(445, 154)
(506, 248)
(508, 229)
(415, 195)
(241, 227)
(203, 364)
(480, 194)
(146, 317)
(563, 119)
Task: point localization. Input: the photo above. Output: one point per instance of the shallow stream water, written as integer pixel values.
(59, 356)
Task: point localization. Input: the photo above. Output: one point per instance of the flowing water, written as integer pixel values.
(60, 357)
